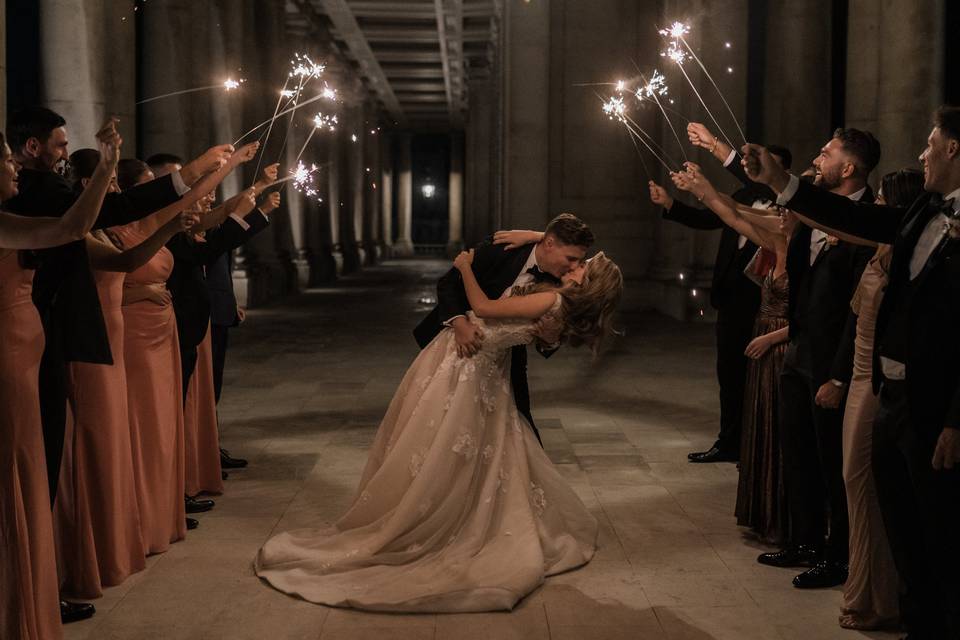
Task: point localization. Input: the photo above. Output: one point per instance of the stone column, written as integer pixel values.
(3, 64)
(455, 192)
(479, 204)
(385, 187)
(357, 179)
(403, 247)
(333, 202)
(87, 60)
(894, 106)
(349, 210)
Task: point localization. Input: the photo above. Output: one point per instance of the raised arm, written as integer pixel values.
(530, 307)
(104, 256)
(20, 232)
(878, 223)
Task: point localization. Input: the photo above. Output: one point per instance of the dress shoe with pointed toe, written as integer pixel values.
(799, 556)
(823, 575)
(193, 505)
(192, 523)
(229, 462)
(75, 611)
(713, 454)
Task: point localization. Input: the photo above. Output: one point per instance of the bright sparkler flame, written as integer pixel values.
(676, 31)
(305, 68)
(321, 121)
(675, 53)
(229, 84)
(328, 92)
(656, 86)
(621, 85)
(288, 93)
(303, 179)
(615, 108)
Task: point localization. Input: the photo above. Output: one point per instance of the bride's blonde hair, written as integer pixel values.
(587, 310)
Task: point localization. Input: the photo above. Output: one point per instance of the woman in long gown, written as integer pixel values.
(761, 496)
(871, 592)
(29, 599)
(459, 508)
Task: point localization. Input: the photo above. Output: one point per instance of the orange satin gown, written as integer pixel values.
(200, 427)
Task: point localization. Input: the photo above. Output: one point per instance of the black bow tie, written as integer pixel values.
(540, 275)
(938, 204)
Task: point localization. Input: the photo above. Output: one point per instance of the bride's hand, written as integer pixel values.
(517, 238)
(464, 260)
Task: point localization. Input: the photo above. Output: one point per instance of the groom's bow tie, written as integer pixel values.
(540, 275)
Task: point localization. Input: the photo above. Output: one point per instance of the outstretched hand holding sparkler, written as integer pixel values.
(269, 204)
(213, 159)
(760, 166)
(693, 181)
(659, 196)
(700, 136)
(268, 177)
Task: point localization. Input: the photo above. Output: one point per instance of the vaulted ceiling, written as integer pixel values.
(415, 56)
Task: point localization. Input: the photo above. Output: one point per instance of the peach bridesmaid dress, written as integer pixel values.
(97, 520)
(29, 599)
(200, 427)
(155, 404)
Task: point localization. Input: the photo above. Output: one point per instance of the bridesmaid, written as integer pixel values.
(871, 593)
(761, 496)
(96, 516)
(203, 473)
(154, 385)
(29, 598)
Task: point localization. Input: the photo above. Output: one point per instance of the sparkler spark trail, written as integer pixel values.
(279, 115)
(719, 93)
(705, 108)
(615, 109)
(228, 85)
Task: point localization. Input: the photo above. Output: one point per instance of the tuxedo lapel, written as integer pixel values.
(508, 269)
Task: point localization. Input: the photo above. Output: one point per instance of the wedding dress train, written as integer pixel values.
(458, 509)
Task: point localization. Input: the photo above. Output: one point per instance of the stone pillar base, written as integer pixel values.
(386, 250)
(352, 259)
(403, 248)
(373, 252)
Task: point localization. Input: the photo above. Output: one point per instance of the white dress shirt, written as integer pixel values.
(757, 204)
(818, 238)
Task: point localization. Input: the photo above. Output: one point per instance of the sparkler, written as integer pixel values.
(657, 86)
(615, 109)
(228, 85)
(719, 93)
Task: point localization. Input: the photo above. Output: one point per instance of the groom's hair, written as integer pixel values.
(570, 230)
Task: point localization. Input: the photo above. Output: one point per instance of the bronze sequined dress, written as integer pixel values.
(761, 497)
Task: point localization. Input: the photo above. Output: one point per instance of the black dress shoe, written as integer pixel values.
(714, 454)
(75, 611)
(824, 574)
(224, 475)
(799, 556)
(192, 505)
(229, 462)
(192, 523)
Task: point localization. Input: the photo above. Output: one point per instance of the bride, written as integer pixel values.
(458, 508)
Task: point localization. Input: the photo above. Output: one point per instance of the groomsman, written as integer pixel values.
(824, 272)
(916, 440)
(735, 297)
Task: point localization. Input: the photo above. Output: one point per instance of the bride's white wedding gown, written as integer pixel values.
(458, 509)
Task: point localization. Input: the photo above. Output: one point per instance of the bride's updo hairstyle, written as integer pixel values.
(588, 308)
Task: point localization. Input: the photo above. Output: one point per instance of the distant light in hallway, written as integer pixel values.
(729, 69)
(727, 45)
(681, 276)
(428, 190)
(693, 292)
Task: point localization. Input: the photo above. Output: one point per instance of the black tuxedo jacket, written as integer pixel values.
(64, 290)
(223, 301)
(495, 269)
(932, 354)
(187, 281)
(730, 290)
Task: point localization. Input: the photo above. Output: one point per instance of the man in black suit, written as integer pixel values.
(824, 273)
(735, 297)
(64, 291)
(916, 437)
(563, 247)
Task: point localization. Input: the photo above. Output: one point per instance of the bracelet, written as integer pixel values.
(716, 141)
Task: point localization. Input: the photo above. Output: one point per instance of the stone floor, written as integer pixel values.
(307, 383)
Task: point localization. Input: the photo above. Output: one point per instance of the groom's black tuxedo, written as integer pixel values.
(495, 269)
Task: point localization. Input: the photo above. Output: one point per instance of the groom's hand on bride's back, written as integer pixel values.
(468, 336)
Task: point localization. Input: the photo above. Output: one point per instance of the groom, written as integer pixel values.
(562, 248)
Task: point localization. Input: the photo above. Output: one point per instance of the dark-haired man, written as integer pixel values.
(735, 297)
(64, 291)
(823, 273)
(916, 436)
(562, 248)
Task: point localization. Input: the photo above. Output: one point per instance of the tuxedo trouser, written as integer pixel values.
(921, 513)
(188, 363)
(734, 332)
(811, 441)
(219, 338)
(53, 413)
